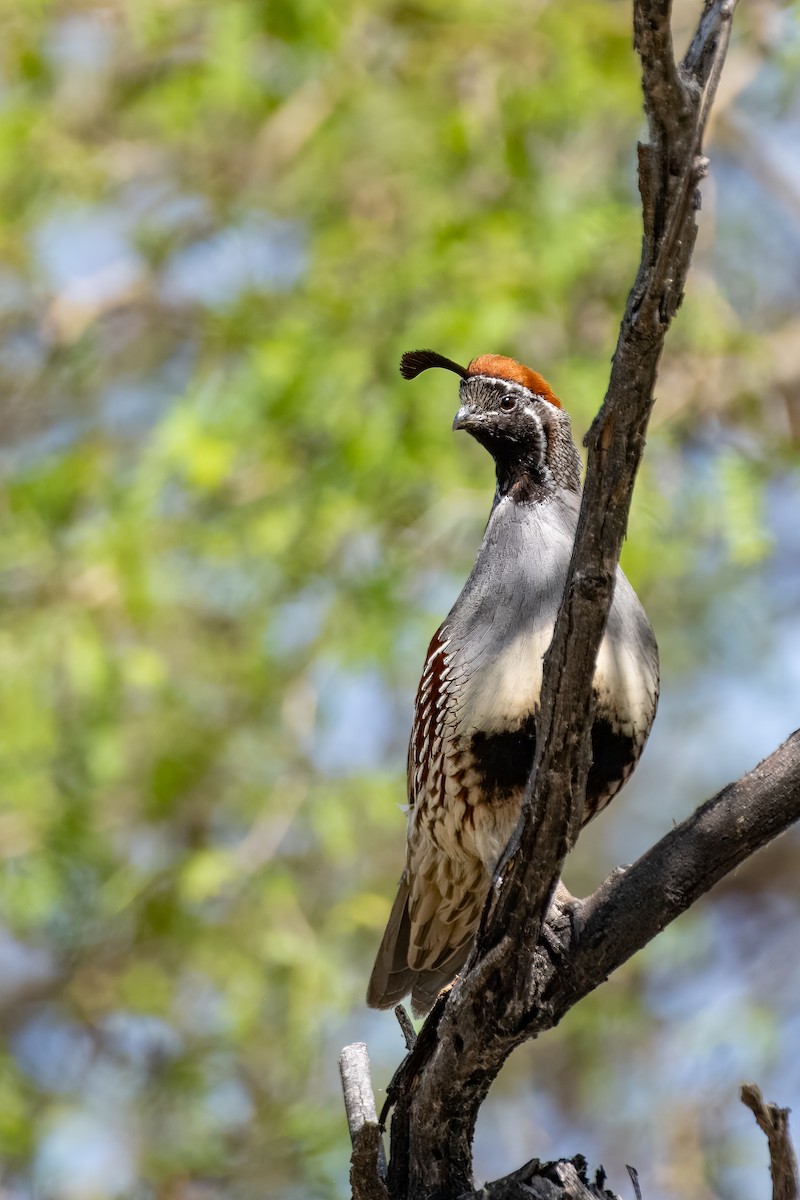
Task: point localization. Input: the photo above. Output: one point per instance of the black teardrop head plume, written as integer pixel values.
(415, 361)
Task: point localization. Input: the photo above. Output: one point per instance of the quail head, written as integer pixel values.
(474, 731)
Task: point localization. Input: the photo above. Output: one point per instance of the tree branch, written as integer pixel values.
(438, 1093)
(367, 1163)
(451, 1067)
(774, 1122)
(579, 949)
(536, 955)
(565, 1179)
(632, 906)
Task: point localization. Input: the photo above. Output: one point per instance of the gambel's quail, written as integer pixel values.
(474, 731)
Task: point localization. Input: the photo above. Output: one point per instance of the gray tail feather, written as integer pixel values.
(392, 978)
(428, 984)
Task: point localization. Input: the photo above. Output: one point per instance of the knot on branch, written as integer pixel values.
(701, 164)
(593, 585)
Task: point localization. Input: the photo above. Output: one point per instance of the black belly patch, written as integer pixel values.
(504, 762)
(613, 758)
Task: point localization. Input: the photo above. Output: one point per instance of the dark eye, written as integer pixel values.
(508, 403)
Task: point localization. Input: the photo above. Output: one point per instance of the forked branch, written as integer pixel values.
(531, 960)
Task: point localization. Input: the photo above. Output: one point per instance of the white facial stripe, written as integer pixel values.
(506, 385)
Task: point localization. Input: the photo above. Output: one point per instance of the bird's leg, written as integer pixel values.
(564, 922)
(563, 896)
(566, 906)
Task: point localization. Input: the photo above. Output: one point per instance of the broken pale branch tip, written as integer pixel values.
(359, 1099)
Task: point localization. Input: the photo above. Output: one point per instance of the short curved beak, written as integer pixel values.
(465, 418)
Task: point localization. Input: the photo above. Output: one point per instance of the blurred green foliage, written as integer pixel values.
(228, 529)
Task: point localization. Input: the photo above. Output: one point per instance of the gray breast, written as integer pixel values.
(502, 624)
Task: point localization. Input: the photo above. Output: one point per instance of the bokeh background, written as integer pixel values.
(229, 530)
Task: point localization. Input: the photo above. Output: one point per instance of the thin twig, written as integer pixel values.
(634, 1174)
(774, 1122)
(406, 1028)
(718, 57)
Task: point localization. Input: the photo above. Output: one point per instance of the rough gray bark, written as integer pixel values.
(565, 1179)
(536, 956)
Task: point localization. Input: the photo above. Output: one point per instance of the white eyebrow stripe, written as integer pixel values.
(507, 385)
